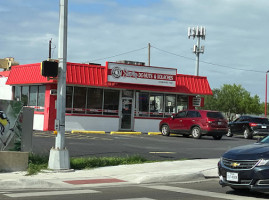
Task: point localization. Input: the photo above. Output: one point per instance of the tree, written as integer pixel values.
(233, 99)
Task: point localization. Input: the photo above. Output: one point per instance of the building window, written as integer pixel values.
(170, 105)
(111, 102)
(156, 105)
(17, 93)
(143, 100)
(33, 96)
(94, 101)
(69, 99)
(79, 100)
(24, 95)
(182, 102)
(41, 98)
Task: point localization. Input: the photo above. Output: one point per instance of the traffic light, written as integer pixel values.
(49, 68)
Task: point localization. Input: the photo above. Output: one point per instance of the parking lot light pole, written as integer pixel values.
(265, 105)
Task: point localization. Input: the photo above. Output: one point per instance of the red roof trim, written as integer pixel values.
(4, 73)
(92, 75)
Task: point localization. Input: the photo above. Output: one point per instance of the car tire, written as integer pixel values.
(247, 133)
(229, 133)
(217, 137)
(196, 132)
(165, 130)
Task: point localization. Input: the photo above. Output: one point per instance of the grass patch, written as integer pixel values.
(93, 162)
(37, 162)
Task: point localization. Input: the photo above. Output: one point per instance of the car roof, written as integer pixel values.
(252, 116)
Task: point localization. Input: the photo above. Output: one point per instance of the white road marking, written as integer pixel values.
(50, 193)
(201, 193)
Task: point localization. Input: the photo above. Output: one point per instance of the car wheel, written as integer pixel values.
(165, 130)
(229, 133)
(196, 132)
(217, 137)
(247, 133)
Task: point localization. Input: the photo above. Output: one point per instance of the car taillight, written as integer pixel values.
(253, 124)
(209, 122)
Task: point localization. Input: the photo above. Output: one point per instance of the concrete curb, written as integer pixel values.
(161, 172)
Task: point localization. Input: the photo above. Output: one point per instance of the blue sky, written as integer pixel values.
(236, 44)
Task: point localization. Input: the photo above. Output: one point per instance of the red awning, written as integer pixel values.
(93, 75)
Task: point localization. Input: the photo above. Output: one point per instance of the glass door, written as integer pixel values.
(126, 113)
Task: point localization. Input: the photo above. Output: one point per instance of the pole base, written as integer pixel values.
(59, 159)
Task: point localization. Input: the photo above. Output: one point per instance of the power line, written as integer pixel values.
(119, 54)
(209, 63)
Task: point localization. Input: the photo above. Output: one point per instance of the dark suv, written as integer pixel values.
(249, 126)
(246, 167)
(195, 123)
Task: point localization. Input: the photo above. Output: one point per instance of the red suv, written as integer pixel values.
(195, 123)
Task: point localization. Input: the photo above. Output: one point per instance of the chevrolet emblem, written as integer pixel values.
(235, 164)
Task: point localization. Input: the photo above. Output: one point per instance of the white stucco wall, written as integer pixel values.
(5, 90)
(38, 122)
(91, 123)
(147, 125)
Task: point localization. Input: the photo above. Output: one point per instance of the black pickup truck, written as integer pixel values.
(249, 126)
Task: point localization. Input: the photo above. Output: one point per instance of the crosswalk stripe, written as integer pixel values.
(50, 193)
(200, 192)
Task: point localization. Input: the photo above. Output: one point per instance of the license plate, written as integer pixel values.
(219, 123)
(264, 126)
(231, 176)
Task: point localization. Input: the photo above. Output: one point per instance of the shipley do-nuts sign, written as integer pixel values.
(123, 73)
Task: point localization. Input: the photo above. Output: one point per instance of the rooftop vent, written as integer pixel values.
(128, 62)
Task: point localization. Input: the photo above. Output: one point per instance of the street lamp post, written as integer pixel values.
(198, 32)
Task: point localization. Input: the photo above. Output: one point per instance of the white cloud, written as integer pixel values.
(236, 34)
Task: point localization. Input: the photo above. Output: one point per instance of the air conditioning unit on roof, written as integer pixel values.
(128, 62)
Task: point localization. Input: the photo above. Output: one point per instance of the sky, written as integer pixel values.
(236, 42)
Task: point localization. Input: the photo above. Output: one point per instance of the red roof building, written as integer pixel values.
(121, 96)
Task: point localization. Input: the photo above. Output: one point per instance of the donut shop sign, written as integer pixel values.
(124, 73)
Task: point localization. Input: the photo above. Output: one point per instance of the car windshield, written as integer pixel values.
(265, 140)
(259, 120)
(215, 115)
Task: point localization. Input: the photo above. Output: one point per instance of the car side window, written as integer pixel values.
(181, 114)
(192, 114)
(241, 119)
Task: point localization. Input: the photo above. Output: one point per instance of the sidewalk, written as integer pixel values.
(170, 171)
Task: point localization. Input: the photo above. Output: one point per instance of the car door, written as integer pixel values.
(176, 123)
(191, 118)
(237, 125)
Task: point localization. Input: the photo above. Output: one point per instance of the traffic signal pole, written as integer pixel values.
(59, 155)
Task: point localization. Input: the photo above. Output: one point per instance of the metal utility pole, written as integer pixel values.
(59, 156)
(50, 48)
(198, 32)
(148, 54)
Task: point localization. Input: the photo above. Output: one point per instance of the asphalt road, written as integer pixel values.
(201, 190)
(152, 147)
